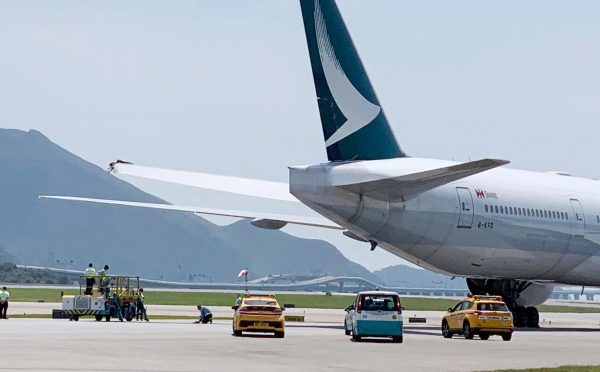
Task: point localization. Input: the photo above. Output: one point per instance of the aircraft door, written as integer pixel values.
(579, 217)
(465, 208)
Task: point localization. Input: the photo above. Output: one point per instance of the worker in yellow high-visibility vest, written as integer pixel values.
(90, 279)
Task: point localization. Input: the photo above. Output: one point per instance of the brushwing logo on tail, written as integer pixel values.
(357, 110)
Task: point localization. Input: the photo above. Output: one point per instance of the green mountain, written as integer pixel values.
(149, 243)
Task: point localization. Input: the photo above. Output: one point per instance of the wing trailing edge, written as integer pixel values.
(262, 220)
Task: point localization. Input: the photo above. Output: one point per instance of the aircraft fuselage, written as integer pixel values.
(502, 223)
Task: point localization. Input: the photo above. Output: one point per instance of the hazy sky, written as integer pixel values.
(225, 86)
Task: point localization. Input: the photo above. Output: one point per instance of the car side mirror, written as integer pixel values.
(282, 308)
(402, 308)
(235, 307)
(349, 308)
(450, 310)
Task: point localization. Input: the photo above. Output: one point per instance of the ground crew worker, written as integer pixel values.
(205, 315)
(4, 296)
(104, 280)
(140, 313)
(116, 306)
(90, 279)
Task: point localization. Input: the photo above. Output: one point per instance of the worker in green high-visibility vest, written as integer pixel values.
(104, 280)
(90, 279)
(4, 296)
(140, 313)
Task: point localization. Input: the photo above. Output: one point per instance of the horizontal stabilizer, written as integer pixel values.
(264, 220)
(407, 186)
(234, 185)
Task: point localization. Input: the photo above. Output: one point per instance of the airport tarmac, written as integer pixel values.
(60, 345)
(561, 320)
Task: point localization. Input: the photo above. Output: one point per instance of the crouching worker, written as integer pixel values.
(140, 313)
(205, 315)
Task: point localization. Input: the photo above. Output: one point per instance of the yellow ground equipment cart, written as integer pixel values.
(115, 296)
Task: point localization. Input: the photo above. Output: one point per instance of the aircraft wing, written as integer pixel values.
(410, 185)
(263, 220)
(234, 185)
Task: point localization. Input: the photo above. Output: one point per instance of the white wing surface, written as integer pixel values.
(263, 220)
(234, 185)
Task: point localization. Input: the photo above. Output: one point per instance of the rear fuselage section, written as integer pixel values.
(502, 223)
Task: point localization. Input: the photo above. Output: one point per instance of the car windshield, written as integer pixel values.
(260, 303)
(491, 306)
(380, 302)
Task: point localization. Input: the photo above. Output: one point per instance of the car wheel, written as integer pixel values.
(446, 330)
(507, 336)
(355, 337)
(279, 334)
(484, 336)
(467, 331)
(98, 318)
(236, 332)
(398, 339)
(108, 318)
(346, 331)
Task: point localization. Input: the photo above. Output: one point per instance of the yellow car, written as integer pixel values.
(478, 315)
(258, 313)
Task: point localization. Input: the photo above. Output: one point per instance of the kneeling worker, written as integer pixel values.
(205, 315)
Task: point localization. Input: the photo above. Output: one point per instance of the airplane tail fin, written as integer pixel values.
(354, 125)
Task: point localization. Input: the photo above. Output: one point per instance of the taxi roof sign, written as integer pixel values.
(485, 297)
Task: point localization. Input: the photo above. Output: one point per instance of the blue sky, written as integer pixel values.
(226, 86)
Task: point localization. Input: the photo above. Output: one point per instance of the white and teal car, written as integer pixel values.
(375, 314)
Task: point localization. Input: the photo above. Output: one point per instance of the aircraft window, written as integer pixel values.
(545, 214)
(537, 212)
(567, 216)
(598, 218)
(486, 208)
(520, 212)
(561, 216)
(554, 214)
(496, 209)
(501, 209)
(528, 212)
(505, 209)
